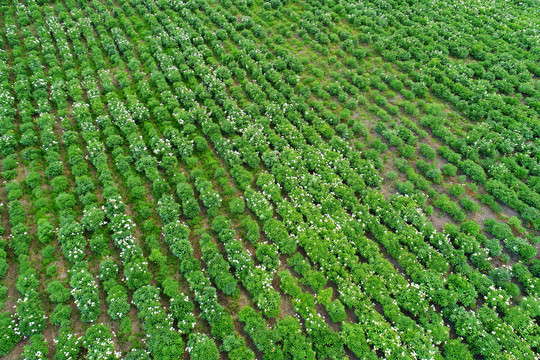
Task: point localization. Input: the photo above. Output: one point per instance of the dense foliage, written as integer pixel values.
(269, 179)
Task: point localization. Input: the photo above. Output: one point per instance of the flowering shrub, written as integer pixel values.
(259, 204)
(67, 345)
(117, 299)
(136, 272)
(163, 341)
(168, 209)
(93, 218)
(70, 236)
(85, 292)
(182, 311)
(98, 340)
(265, 340)
(29, 307)
(108, 269)
(162, 84)
(36, 350)
(9, 333)
(20, 239)
(202, 347)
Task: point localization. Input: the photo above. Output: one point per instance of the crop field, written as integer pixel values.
(269, 179)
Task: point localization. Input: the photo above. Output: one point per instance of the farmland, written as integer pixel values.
(283, 179)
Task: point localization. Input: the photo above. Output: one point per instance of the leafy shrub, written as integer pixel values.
(521, 247)
(294, 342)
(237, 206)
(449, 155)
(268, 256)
(428, 151)
(516, 223)
(494, 247)
(456, 190)
(200, 143)
(57, 292)
(65, 201)
(217, 266)
(336, 310)
(3, 263)
(475, 171)
(407, 151)
(162, 340)
(469, 205)
(278, 234)
(455, 349)
(315, 279)
(242, 177)
(355, 339)
(499, 275)
(449, 170)
(251, 229)
(450, 207)
(61, 315)
(500, 230)
(99, 244)
(391, 175)
(431, 171)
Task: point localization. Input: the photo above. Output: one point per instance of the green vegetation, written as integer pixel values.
(277, 179)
